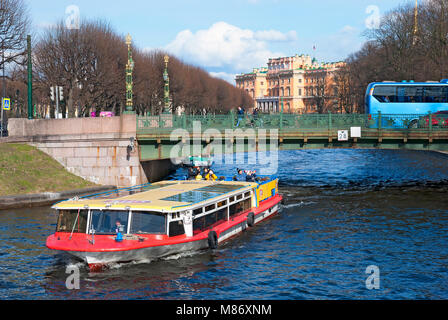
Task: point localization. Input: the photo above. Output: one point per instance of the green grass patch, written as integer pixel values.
(25, 169)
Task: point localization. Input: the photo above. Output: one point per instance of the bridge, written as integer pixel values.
(130, 149)
(158, 135)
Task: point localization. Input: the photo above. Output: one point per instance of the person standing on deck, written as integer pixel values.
(193, 172)
(240, 176)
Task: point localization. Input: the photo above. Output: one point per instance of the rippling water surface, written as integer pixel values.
(345, 210)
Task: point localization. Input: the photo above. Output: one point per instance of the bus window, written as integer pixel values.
(413, 94)
(385, 93)
(436, 94)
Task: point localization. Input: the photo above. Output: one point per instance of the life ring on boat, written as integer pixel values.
(212, 240)
(251, 219)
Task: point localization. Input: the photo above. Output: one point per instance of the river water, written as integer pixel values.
(345, 210)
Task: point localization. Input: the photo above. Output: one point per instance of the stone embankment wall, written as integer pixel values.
(95, 149)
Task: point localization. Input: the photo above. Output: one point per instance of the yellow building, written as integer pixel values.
(290, 84)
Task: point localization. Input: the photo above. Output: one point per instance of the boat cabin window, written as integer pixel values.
(198, 211)
(206, 222)
(148, 223)
(69, 220)
(240, 207)
(176, 228)
(109, 222)
(222, 203)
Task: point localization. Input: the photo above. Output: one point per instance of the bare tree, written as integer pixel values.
(90, 64)
(14, 27)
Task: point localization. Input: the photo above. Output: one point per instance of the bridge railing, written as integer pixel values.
(164, 124)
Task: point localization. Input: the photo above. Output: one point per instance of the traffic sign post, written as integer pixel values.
(6, 104)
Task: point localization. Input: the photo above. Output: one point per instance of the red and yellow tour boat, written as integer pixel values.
(158, 220)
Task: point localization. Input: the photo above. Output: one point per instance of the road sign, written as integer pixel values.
(343, 135)
(6, 103)
(355, 132)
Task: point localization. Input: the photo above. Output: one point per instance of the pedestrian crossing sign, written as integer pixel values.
(6, 104)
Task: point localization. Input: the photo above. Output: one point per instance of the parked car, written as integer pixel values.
(439, 119)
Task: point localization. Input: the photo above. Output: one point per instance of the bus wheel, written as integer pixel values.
(251, 219)
(413, 124)
(212, 240)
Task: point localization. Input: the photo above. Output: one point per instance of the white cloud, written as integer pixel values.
(229, 77)
(229, 47)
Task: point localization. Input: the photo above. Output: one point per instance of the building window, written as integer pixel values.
(300, 92)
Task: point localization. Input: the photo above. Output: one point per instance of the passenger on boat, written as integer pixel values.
(119, 227)
(240, 176)
(193, 172)
(251, 176)
(210, 176)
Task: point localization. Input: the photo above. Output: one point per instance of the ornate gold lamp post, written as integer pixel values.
(129, 83)
(166, 78)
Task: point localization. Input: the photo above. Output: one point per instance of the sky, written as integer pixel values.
(228, 37)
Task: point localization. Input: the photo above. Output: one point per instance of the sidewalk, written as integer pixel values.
(47, 198)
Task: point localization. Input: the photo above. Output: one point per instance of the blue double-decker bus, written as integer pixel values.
(407, 104)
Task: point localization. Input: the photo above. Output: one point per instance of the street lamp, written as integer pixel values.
(129, 84)
(30, 79)
(166, 94)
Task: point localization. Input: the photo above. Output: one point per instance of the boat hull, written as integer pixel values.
(97, 260)
(100, 251)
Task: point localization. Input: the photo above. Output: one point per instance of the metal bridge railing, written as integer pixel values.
(292, 122)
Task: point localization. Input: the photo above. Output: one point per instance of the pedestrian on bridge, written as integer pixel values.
(240, 115)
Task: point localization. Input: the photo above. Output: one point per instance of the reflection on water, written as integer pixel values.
(345, 210)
